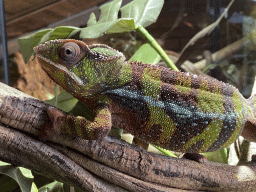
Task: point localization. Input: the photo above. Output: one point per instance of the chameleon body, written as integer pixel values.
(174, 110)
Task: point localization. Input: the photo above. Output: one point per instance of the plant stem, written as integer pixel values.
(165, 152)
(149, 39)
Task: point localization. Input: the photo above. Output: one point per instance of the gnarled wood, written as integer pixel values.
(104, 165)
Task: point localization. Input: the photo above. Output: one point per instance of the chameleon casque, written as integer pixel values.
(174, 110)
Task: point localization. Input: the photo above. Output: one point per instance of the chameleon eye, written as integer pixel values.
(70, 53)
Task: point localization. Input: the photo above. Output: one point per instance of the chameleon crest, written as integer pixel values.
(174, 110)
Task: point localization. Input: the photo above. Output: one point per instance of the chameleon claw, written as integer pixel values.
(52, 128)
(195, 157)
(45, 132)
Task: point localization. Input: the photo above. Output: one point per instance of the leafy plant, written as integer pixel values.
(134, 17)
(22, 176)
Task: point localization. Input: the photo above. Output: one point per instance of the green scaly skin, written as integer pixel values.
(174, 110)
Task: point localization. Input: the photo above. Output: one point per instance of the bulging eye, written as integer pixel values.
(70, 53)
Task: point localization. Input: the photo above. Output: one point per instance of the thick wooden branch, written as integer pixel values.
(104, 165)
(22, 150)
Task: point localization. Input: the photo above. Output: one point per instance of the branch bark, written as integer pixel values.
(225, 53)
(104, 165)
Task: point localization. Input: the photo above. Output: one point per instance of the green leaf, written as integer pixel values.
(94, 31)
(81, 109)
(153, 43)
(61, 32)
(165, 151)
(220, 155)
(122, 26)
(116, 132)
(27, 43)
(65, 101)
(68, 103)
(109, 11)
(108, 18)
(135, 13)
(21, 175)
(146, 54)
(56, 92)
(41, 180)
(144, 12)
(55, 186)
(92, 20)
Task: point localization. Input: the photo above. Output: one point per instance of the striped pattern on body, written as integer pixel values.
(179, 111)
(171, 109)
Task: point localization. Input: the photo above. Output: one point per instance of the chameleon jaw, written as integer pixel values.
(45, 61)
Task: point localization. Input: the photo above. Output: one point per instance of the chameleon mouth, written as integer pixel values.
(49, 66)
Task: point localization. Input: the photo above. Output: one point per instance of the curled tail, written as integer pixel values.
(249, 130)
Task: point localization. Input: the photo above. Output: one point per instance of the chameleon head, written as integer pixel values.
(80, 69)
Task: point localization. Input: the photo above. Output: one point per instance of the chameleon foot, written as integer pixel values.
(254, 158)
(44, 133)
(51, 128)
(64, 123)
(195, 157)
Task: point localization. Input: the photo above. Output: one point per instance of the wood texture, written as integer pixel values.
(136, 169)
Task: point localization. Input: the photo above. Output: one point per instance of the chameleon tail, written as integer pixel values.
(249, 130)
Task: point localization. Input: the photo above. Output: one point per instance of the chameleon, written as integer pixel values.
(174, 110)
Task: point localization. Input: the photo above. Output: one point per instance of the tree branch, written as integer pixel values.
(103, 165)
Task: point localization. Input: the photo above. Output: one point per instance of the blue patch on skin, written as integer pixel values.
(188, 120)
(183, 114)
